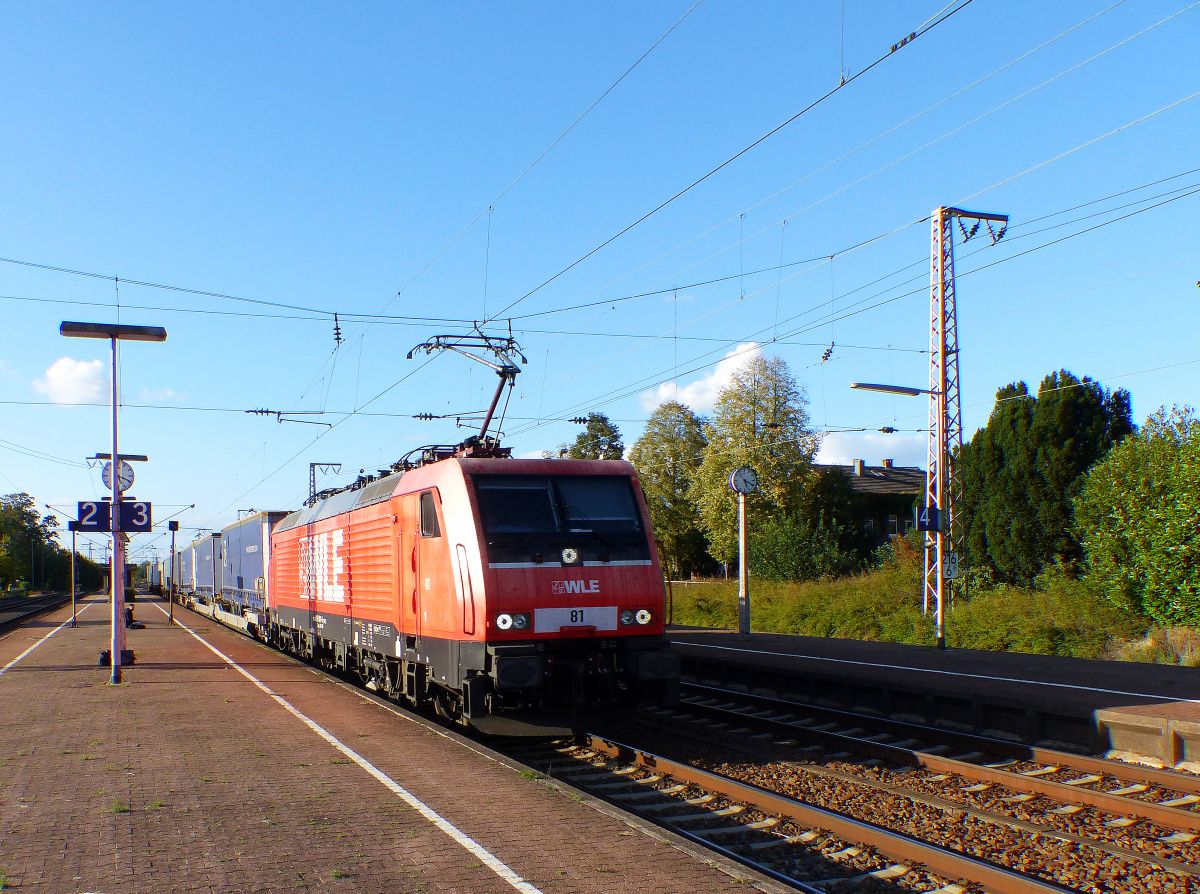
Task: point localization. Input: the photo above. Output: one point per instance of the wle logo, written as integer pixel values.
(564, 587)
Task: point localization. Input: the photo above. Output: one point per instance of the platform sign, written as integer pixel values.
(929, 518)
(95, 516)
(135, 516)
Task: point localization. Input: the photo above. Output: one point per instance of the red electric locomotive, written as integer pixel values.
(507, 594)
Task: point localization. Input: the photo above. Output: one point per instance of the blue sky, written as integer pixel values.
(343, 159)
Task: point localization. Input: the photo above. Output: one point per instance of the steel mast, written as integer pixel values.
(943, 490)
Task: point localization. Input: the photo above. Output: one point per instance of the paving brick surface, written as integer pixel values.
(189, 778)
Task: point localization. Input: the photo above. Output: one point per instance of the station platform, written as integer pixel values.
(1147, 712)
(219, 765)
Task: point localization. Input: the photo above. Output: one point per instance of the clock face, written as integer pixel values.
(744, 480)
(124, 475)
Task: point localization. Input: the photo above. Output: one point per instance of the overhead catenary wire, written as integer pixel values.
(850, 153)
(1061, 35)
(948, 11)
(1091, 142)
(860, 307)
(891, 163)
(1158, 201)
(422, 322)
(491, 205)
(34, 453)
(1014, 235)
(541, 157)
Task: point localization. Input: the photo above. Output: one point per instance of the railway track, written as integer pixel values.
(1160, 797)
(15, 610)
(874, 776)
(809, 848)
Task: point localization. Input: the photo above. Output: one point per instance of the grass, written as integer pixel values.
(532, 775)
(155, 805)
(1060, 616)
(341, 874)
(118, 807)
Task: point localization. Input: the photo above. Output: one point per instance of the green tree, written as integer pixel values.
(667, 456)
(28, 549)
(600, 439)
(759, 420)
(1022, 471)
(1138, 516)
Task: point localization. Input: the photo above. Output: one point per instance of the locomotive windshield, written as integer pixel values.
(533, 518)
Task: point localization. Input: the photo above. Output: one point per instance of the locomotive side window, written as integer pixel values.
(429, 519)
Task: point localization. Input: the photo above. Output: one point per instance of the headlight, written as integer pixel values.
(570, 556)
(643, 616)
(516, 621)
(627, 617)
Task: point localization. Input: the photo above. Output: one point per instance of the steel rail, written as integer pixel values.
(894, 845)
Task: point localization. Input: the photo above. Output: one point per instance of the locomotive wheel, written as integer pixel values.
(448, 706)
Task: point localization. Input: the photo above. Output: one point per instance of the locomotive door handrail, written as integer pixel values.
(415, 561)
(466, 593)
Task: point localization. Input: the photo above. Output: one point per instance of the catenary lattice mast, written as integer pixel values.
(944, 546)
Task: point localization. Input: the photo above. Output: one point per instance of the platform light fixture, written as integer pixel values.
(890, 389)
(115, 332)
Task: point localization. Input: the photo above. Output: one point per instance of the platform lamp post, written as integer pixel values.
(938, 559)
(115, 332)
(72, 525)
(173, 527)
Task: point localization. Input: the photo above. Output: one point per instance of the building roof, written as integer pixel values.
(901, 481)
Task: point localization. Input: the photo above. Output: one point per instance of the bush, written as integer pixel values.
(1065, 617)
(796, 549)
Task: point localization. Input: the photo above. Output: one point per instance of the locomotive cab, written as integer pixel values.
(574, 592)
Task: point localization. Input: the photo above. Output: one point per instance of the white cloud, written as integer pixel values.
(841, 448)
(701, 394)
(70, 381)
